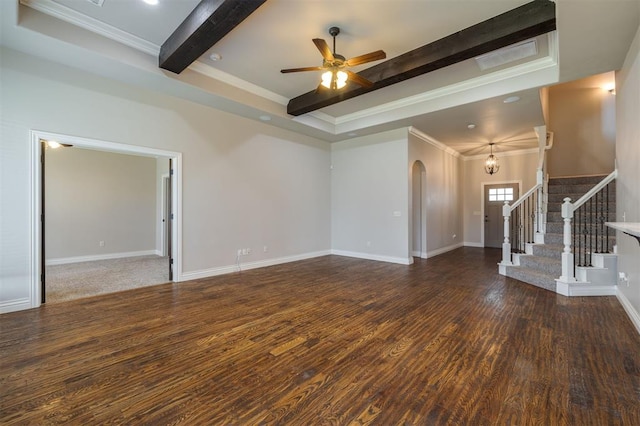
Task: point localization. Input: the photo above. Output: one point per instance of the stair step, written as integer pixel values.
(576, 180)
(567, 189)
(556, 206)
(536, 278)
(548, 265)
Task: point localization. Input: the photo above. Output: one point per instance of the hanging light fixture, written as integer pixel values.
(491, 165)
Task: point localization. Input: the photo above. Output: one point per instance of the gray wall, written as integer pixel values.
(628, 183)
(582, 120)
(93, 196)
(513, 168)
(368, 184)
(245, 184)
(443, 195)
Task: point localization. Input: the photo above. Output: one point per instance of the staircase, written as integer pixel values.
(596, 266)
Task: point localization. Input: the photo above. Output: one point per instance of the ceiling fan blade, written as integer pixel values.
(323, 47)
(369, 57)
(301, 69)
(359, 79)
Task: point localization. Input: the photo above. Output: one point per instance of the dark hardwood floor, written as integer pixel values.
(331, 340)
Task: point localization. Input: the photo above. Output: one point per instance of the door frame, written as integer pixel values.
(482, 189)
(36, 207)
(423, 211)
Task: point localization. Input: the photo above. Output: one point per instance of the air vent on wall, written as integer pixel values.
(96, 2)
(507, 54)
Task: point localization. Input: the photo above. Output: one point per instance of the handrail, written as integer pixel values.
(526, 195)
(604, 182)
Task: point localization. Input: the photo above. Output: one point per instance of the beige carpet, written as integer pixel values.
(84, 279)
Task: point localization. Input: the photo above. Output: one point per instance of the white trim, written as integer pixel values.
(222, 270)
(442, 250)
(502, 154)
(78, 259)
(234, 81)
(376, 257)
(472, 244)
(426, 138)
(78, 19)
(14, 305)
(420, 254)
(36, 208)
(634, 316)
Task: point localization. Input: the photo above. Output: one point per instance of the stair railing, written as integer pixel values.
(588, 233)
(521, 222)
(525, 219)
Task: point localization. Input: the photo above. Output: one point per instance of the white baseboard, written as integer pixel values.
(421, 254)
(65, 260)
(472, 244)
(370, 256)
(14, 305)
(442, 250)
(212, 272)
(634, 316)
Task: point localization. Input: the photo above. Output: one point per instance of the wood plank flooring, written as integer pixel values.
(330, 340)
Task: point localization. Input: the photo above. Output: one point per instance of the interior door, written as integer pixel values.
(494, 198)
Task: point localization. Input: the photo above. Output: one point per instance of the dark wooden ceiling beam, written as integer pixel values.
(530, 20)
(209, 22)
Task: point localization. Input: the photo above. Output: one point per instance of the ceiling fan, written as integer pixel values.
(334, 65)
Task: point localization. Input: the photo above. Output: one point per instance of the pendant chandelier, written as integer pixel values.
(491, 165)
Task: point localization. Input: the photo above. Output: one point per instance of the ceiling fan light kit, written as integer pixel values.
(335, 75)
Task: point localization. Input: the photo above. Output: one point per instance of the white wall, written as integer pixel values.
(245, 184)
(443, 194)
(513, 168)
(628, 182)
(368, 184)
(93, 196)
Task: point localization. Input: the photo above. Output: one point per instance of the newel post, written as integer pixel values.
(567, 257)
(506, 245)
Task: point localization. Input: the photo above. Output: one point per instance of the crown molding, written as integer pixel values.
(66, 14)
(426, 138)
(209, 71)
(495, 77)
(502, 154)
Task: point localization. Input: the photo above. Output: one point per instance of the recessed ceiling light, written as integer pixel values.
(215, 57)
(151, 2)
(511, 99)
(471, 126)
(265, 117)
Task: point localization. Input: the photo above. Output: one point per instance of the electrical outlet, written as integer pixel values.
(101, 243)
(623, 278)
(265, 249)
(248, 251)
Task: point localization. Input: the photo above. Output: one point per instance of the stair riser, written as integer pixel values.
(544, 250)
(568, 189)
(538, 264)
(556, 206)
(547, 282)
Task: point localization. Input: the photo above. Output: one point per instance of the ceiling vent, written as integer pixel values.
(96, 2)
(507, 54)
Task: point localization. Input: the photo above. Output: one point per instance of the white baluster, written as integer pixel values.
(567, 257)
(506, 245)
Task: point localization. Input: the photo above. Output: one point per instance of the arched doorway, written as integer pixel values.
(419, 211)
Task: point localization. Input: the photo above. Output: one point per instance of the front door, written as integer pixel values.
(494, 198)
